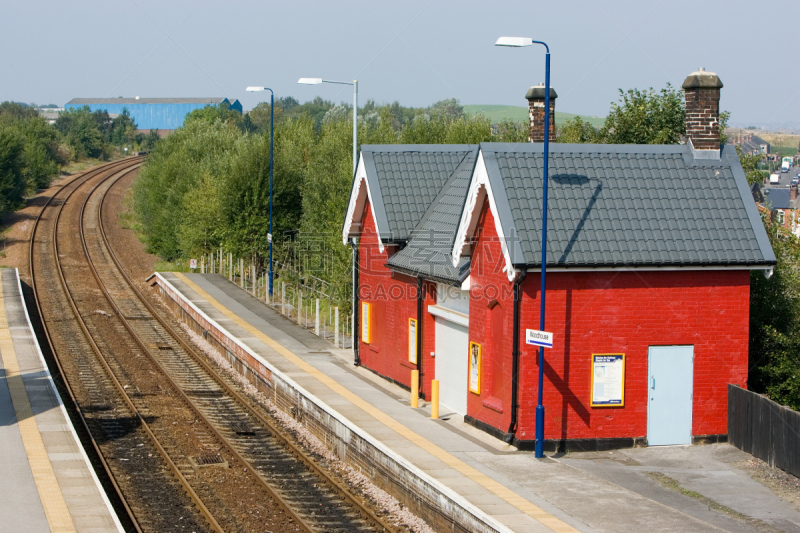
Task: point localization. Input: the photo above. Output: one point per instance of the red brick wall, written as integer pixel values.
(488, 283)
(394, 300)
(611, 312)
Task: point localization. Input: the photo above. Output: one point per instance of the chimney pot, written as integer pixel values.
(536, 97)
(702, 91)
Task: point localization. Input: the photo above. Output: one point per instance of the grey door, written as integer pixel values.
(669, 395)
(452, 360)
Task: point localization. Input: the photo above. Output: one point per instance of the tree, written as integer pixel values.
(646, 117)
(214, 113)
(12, 181)
(450, 108)
(577, 130)
(775, 321)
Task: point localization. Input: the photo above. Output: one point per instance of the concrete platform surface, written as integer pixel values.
(47, 483)
(686, 488)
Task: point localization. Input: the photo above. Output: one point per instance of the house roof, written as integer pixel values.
(428, 253)
(620, 206)
(779, 198)
(400, 181)
(87, 101)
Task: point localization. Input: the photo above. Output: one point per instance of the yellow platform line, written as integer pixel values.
(511, 497)
(55, 508)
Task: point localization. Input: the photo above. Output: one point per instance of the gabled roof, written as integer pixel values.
(616, 206)
(205, 101)
(401, 182)
(428, 253)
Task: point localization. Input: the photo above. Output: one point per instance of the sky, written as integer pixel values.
(416, 52)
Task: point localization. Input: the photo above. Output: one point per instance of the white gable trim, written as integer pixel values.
(479, 189)
(358, 201)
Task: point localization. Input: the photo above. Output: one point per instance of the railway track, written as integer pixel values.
(184, 448)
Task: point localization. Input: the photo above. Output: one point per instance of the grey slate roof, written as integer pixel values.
(778, 198)
(429, 251)
(87, 101)
(405, 179)
(626, 205)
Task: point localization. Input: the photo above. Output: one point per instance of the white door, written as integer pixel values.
(669, 398)
(452, 365)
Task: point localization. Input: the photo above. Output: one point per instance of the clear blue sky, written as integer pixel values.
(414, 51)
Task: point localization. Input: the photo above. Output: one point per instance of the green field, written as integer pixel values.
(498, 113)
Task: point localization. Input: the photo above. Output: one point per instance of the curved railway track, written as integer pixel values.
(183, 447)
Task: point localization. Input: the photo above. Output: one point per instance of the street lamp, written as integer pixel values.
(354, 83)
(518, 42)
(271, 165)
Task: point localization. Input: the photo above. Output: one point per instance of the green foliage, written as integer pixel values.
(41, 155)
(775, 322)
(214, 113)
(750, 166)
(577, 130)
(646, 117)
(12, 181)
(451, 108)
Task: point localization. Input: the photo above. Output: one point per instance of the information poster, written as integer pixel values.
(412, 341)
(365, 318)
(608, 380)
(475, 367)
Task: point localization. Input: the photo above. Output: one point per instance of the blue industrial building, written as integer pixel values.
(152, 113)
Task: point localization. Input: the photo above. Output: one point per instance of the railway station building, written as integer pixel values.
(649, 256)
(161, 114)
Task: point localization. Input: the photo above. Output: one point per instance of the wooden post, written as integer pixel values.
(435, 399)
(336, 327)
(415, 388)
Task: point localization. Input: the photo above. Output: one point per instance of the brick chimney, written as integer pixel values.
(535, 98)
(701, 90)
(792, 193)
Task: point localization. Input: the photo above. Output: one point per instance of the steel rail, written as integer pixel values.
(143, 346)
(340, 489)
(193, 496)
(109, 473)
(120, 389)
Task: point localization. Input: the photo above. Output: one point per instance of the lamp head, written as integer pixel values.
(514, 41)
(254, 89)
(310, 81)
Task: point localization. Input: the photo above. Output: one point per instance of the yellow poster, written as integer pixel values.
(366, 314)
(412, 341)
(475, 367)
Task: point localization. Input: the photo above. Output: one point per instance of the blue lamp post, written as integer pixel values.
(271, 166)
(517, 42)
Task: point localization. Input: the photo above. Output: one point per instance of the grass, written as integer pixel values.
(174, 266)
(498, 113)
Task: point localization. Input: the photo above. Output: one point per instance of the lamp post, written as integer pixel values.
(354, 83)
(518, 42)
(271, 165)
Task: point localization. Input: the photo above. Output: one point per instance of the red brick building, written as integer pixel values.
(650, 250)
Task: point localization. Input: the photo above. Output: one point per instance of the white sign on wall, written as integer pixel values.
(539, 338)
(608, 380)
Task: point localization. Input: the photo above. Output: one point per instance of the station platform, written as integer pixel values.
(48, 484)
(455, 471)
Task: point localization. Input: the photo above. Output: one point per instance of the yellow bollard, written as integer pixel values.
(415, 388)
(435, 399)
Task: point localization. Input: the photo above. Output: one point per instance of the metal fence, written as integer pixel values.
(303, 298)
(764, 429)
